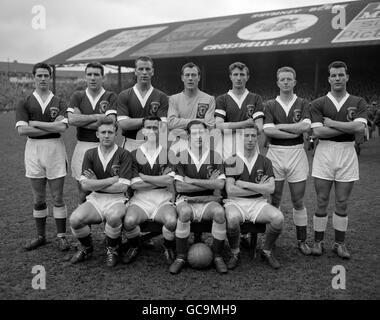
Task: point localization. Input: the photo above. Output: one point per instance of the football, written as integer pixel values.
(199, 256)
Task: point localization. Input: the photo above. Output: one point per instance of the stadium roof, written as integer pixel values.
(345, 24)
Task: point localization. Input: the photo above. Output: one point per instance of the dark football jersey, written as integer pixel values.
(145, 164)
(33, 109)
(187, 165)
(231, 109)
(118, 163)
(275, 113)
(351, 108)
(130, 106)
(104, 104)
(239, 168)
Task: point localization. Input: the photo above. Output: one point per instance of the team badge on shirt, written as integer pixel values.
(297, 115)
(54, 112)
(250, 110)
(115, 169)
(154, 105)
(103, 105)
(351, 113)
(209, 169)
(202, 109)
(259, 175)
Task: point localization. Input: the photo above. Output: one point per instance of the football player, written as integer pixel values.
(138, 102)
(190, 104)
(41, 118)
(287, 118)
(336, 118)
(238, 108)
(198, 172)
(107, 174)
(153, 198)
(249, 177)
(87, 108)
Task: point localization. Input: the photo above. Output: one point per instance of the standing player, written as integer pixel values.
(238, 108)
(189, 104)
(154, 192)
(138, 102)
(286, 119)
(87, 108)
(249, 176)
(40, 117)
(336, 118)
(107, 173)
(199, 172)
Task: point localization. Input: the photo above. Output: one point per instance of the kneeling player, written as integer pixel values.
(199, 172)
(249, 176)
(107, 172)
(154, 192)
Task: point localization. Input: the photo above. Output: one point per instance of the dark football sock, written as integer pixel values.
(41, 226)
(271, 236)
(181, 245)
(112, 242)
(301, 233)
(61, 225)
(234, 238)
(86, 241)
(217, 247)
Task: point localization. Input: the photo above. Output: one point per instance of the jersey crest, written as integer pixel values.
(297, 113)
(202, 109)
(54, 112)
(250, 110)
(115, 169)
(351, 113)
(154, 106)
(259, 175)
(103, 105)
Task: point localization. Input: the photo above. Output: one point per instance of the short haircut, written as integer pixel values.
(337, 64)
(144, 58)
(41, 65)
(95, 64)
(194, 122)
(286, 69)
(239, 65)
(190, 65)
(108, 121)
(151, 118)
(253, 126)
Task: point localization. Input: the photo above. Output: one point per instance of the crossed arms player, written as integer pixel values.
(107, 174)
(199, 171)
(286, 119)
(138, 102)
(336, 118)
(87, 108)
(153, 197)
(40, 117)
(249, 177)
(237, 109)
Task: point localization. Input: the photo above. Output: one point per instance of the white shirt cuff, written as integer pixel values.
(124, 181)
(21, 123)
(221, 112)
(269, 125)
(70, 110)
(316, 124)
(120, 118)
(135, 180)
(258, 114)
(178, 177)
(108, 112)
(307, 120)
(361, 120)
(222, 176)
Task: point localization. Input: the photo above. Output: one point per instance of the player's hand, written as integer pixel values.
(166, 170)
(264, 179)
(327, 122)
(215, 174)
(188, 180)
(89, 174)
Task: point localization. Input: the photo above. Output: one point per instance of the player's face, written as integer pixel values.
(338, 79)
(144, 72)
(94, 78)
(286, 82)
(198, 135)
(190, 78)
(151, 129)
(41, 79)
(250, 138)
(106, 134)
(239, 78)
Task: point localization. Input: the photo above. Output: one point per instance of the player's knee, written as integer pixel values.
(322, 201)
(171, 223)
(219, 215)
(184, 213)
(76, 221)
(130, 222)
(297, 204)
(341, 206)
(58, 200)
(114, 218)
(233, 222)
(277, 219)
